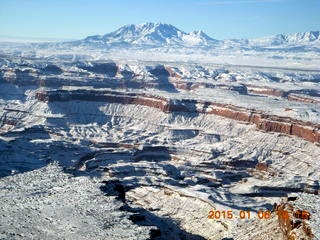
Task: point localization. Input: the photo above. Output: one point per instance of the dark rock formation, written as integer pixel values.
(160, 71)
(109, 69)
(52, 69)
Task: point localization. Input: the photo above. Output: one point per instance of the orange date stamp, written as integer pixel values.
(242, 214)
(260, 214)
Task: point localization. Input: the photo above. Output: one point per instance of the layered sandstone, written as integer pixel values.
(290, 95)
(270, 123)
(294, 97)
(265, 90)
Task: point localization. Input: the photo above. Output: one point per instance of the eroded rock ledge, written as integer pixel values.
(270, 123)
(292, 95)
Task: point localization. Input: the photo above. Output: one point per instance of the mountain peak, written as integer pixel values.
(154, 25)
(151, 34)
(310, 36)
(148, 26)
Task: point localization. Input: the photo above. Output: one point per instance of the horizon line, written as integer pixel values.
(21, 39)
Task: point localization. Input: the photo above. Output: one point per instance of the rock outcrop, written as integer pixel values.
(265, 91)
(110, 69)
(292, 226)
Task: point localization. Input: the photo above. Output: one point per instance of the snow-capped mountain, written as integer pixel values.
(151, 34)
(302, 38)
(166, 35)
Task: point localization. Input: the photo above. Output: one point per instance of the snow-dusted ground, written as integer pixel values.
(50, 204)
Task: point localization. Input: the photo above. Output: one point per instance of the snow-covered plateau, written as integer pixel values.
(140, 133)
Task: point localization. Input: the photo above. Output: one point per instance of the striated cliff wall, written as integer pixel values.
(290, 95)
(270, 123)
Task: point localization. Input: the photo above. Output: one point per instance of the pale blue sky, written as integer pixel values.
(73, 19)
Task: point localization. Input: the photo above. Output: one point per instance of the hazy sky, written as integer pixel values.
(72, 19)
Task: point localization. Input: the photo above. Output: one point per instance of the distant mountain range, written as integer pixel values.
(302, 38)
(160, 35)
(163, 36)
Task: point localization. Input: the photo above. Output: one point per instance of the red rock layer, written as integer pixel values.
(278, 93)
(172, 73)
(265, 90)
(269, 123)
(188, 86)
(293, 97)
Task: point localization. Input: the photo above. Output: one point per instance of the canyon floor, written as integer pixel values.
(145, 150)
